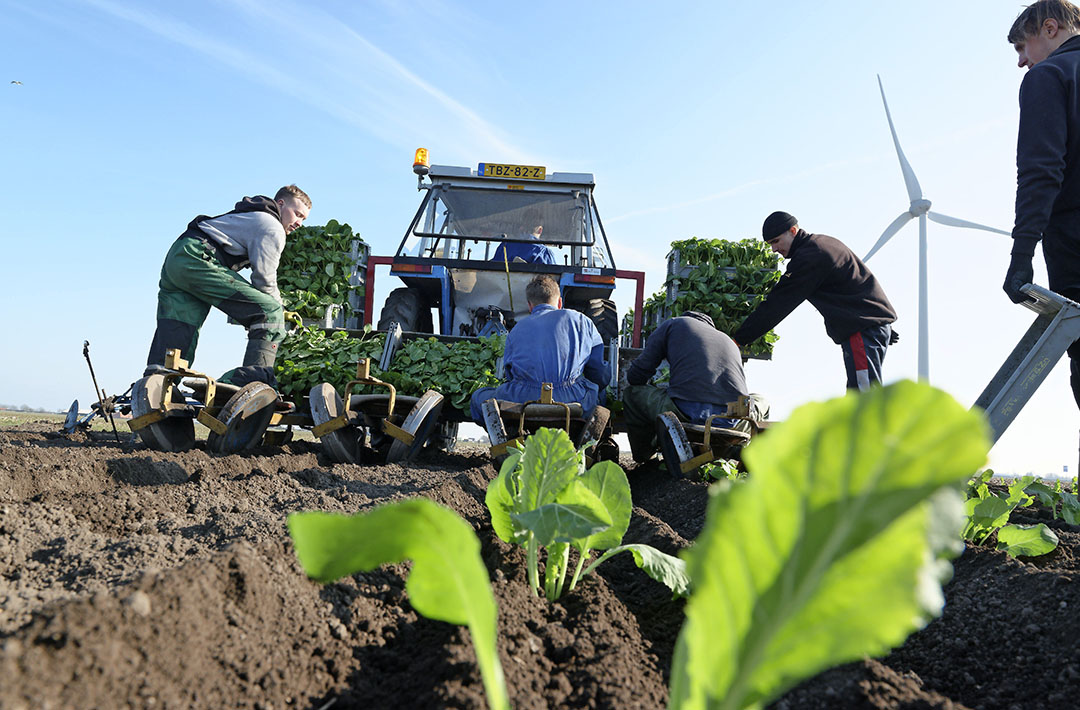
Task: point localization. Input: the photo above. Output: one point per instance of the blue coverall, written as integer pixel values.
(552, 345)
(529, 252)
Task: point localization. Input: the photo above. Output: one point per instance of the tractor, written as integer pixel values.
(452, 261)
(478, 238)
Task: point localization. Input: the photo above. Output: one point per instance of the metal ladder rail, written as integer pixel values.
(1055, 328)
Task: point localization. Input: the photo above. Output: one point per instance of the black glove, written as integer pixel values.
(1019, 274)
(894, 337)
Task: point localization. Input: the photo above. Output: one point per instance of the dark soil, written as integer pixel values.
(131, 578)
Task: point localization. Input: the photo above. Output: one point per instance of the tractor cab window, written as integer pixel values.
(483, 219)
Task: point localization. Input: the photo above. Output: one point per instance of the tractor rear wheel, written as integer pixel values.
(407, 307)
(603, 314)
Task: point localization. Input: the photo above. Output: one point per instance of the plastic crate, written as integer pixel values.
(359, 253)
(676, 271)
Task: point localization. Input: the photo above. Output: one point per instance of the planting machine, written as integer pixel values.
(359, 429)
(686, 447)
(449, 264)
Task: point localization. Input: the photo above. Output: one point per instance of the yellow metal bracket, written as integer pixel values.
(211, 422)
(333, 425)
(363, 377)
(398, 433)
(500, 449)
(146, 420)
(545, 398)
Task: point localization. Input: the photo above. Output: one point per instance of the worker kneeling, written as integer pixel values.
(553, 345)
(706, 374)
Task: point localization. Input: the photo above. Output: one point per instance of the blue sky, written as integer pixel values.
(697, 119)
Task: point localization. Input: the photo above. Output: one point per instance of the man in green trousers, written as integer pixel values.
(201, 271)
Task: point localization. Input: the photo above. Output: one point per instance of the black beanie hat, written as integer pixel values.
(776, 223)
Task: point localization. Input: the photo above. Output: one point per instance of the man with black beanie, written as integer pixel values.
(837, 283)
(1045, 36)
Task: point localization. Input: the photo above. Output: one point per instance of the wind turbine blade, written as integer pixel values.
(954, 222)
(889, 232)
(913, 190)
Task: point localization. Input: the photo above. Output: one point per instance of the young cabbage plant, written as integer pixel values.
(1061, 502)
(835, 546)
(986, 513)
(542, 497)
(448, 581)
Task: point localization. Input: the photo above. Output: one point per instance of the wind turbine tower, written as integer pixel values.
(919, 207)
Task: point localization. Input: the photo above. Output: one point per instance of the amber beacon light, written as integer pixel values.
(421, 164)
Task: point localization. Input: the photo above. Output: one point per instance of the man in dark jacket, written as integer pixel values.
(1048, 154)
(837, 283)
(200, 272)
(706, 374)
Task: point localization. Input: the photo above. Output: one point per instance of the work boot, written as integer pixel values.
(260, 353)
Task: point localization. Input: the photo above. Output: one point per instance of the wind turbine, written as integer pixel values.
(919, 207)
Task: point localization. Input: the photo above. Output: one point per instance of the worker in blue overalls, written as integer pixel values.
(553, 345)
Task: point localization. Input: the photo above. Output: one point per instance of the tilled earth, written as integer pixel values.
(132, 578)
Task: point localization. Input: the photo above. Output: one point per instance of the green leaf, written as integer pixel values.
(549, 464)
(500, 500)
(1070, 508)
(1027, 540)
(608, 482)
(834, 548)
(559, 522)
(448, 580)
(664, 568)
(986, 516)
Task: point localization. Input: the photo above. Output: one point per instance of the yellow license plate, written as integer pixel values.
(515, 172)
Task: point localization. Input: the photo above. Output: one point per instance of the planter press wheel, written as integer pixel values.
(345, 444)
(420, 421)
(493, 422)
(246, 416)
(174, 434)
(674, 445)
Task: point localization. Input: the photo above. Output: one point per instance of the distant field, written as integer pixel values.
(11, 417)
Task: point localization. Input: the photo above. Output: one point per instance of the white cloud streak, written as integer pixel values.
(335, 69)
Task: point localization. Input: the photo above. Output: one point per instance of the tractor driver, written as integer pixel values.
(527, 249)
(200, 271)
(552, 345)
(706, 374)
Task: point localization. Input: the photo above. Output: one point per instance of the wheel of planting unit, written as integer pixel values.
(170, 434)
(71, 421)
(445, 436)
(493, 422)
(674, 445)
(345, 444)
(594, 428)
(245, 416)
(419, 422)
(603, 314)
(407, 307)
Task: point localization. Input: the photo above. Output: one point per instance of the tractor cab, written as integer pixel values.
(479, 236)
